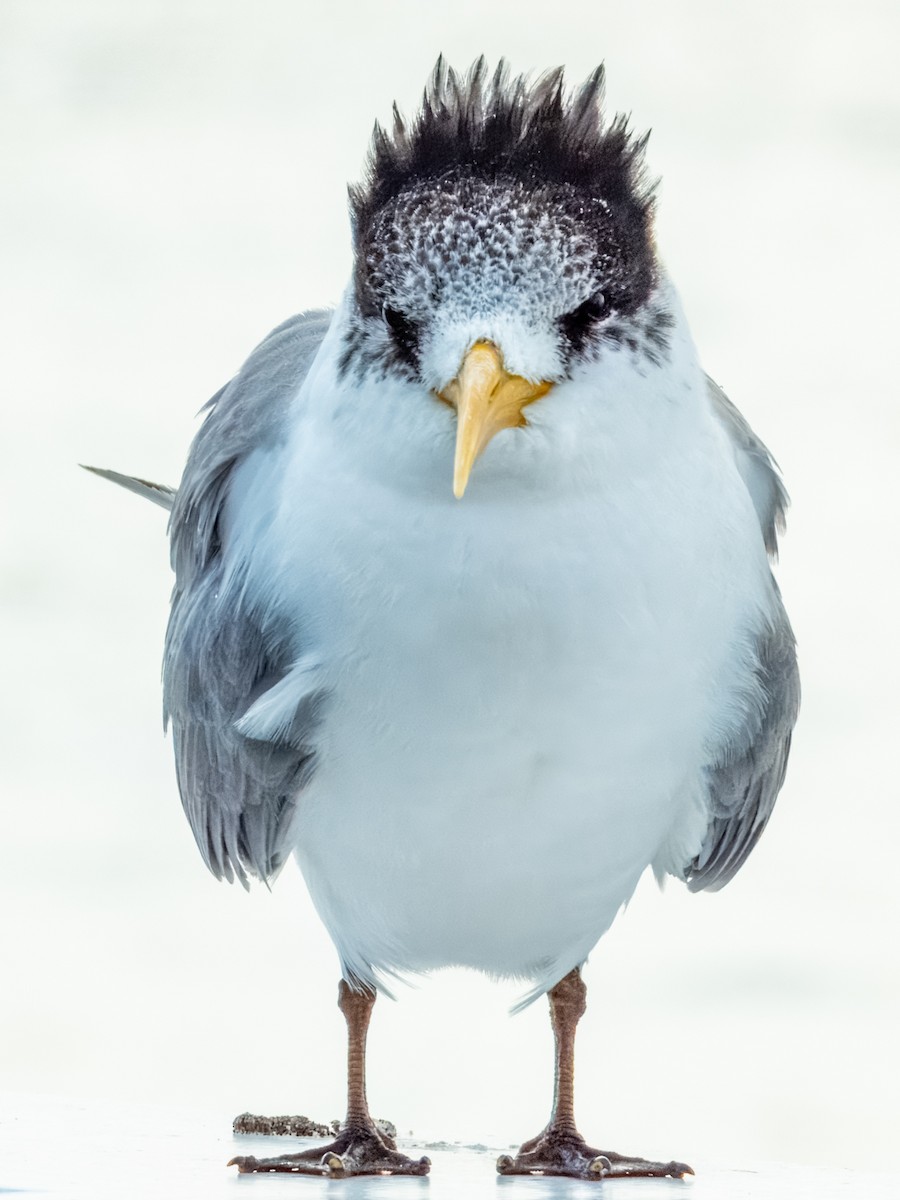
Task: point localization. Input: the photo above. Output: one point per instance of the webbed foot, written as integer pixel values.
(357, 1150)
(568, 1154)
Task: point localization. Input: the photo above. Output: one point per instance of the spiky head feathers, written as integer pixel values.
(508, 129)
(500, 194)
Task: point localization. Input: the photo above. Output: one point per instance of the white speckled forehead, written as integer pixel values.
(471, 247)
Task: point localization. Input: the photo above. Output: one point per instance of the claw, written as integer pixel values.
(245, 1163)
(599, 1165)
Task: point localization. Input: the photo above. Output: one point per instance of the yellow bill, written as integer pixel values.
(487, 399)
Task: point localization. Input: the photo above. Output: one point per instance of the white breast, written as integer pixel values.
(524, 685)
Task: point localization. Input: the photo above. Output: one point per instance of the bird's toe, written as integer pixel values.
(566, 1154)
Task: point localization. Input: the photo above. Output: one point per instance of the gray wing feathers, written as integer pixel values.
(745, 782)
(239, 793)
(757, 467)
(246, 414)
(221, 655)
(747, 774)
(159, 493)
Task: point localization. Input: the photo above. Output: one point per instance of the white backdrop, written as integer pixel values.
(174, 186)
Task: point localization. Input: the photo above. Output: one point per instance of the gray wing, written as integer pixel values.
(221, 654)
(746, 778)
(158, 493)
(758, 468)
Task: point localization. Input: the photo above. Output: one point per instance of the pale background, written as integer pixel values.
(173, 186)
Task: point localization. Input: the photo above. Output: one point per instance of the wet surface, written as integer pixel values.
(75, 1150)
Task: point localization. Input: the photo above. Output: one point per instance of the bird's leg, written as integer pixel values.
(360, 1148)
(560, 1149)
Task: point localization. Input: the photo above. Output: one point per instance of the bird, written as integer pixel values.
(474, 612)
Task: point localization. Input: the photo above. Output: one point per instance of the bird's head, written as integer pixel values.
(502, 243)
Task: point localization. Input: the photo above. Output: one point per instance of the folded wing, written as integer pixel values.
(223, 654)
(747, 772)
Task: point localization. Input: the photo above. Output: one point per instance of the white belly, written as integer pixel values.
(522, 698)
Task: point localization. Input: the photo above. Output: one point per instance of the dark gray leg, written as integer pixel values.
(360, 1148)
(560, 1149)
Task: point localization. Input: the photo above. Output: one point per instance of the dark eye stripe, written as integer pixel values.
(577, 325)
(404, 334)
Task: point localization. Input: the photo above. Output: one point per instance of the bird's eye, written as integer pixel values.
(578, 323)
(398, 323)
(404, 332)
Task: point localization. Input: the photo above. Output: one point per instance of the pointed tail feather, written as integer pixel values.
(159, 493)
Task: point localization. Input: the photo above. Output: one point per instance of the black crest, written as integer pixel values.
(499, 127)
